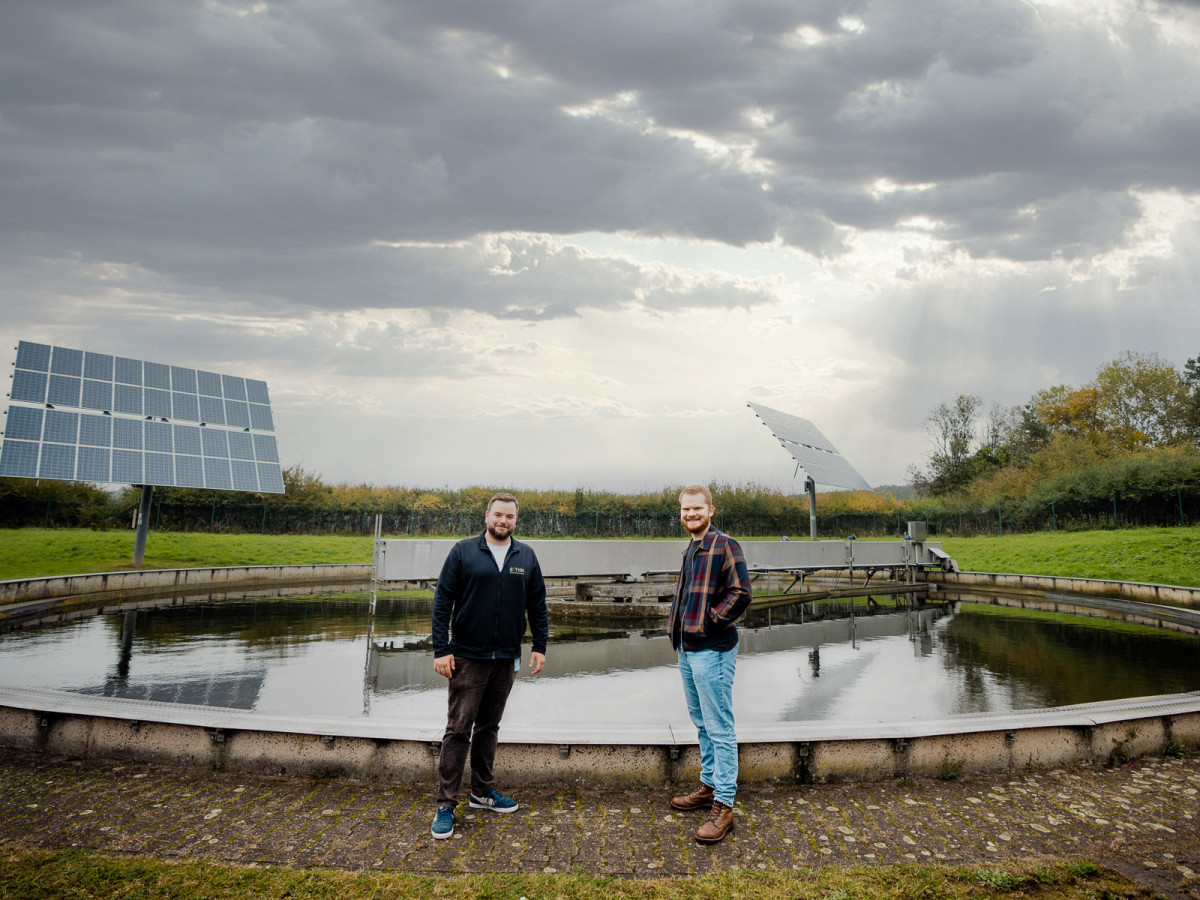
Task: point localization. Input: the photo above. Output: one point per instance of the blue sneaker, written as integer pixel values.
(495, 801)
(443, 823)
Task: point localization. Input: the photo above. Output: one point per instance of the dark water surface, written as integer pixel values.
(325, 656)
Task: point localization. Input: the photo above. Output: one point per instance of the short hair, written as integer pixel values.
(697, 489)
(504, 497)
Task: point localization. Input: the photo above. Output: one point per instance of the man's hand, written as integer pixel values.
(444, 665)
(536, 661)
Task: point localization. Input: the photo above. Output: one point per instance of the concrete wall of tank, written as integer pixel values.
(599, 764)
(1137, 592)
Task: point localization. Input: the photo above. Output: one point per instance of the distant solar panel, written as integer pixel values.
(812, 450)
(82, 416)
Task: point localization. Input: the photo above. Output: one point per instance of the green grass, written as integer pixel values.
(35, 874)
(1157, 555)
(35, 552)
(1154, 555)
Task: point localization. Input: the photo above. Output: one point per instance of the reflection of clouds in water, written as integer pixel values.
(628, 697)
(881, 679)
(640, 697)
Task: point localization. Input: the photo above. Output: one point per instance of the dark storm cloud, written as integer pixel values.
(264, 148)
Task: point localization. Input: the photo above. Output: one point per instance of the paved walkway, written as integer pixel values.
(1142, 820)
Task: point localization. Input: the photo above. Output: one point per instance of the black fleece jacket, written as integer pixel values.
(479, 612)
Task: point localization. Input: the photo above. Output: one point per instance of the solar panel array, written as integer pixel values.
(81, 416)
(812, 450)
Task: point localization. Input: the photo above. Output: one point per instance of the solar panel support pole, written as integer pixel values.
(143, 525)
(810, 488)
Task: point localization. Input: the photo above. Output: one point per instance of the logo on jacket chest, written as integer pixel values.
(516, 570)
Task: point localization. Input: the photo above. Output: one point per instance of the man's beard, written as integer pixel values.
(500, 538)
(697, 527)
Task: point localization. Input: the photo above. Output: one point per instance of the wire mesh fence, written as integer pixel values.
(1177, 508)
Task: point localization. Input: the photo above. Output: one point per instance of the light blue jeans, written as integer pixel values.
(708, 687)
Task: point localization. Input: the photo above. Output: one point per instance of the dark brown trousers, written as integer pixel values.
(479, 689)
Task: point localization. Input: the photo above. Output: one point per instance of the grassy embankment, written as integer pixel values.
(36, 553)
(1159, 555)
(1152, 555)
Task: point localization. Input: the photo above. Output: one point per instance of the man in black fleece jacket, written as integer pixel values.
(489, 586)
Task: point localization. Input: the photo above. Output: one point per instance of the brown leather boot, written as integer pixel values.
(719, 821)
(700, 798)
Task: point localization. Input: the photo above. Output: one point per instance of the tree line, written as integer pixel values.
(1120, 450)
(1127, 438)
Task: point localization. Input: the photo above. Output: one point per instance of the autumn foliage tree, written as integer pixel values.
(1136, 403)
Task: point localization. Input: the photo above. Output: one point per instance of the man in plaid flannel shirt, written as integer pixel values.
(712, 592)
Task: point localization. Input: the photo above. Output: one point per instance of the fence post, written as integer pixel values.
(1000, 515)
(46, 521)
(1053, 516)
(1114, 507)
(263, 529)
(1179, 497)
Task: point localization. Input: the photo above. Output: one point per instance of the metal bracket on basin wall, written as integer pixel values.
(673, 752)
(217, 735)
(564, 750)
(1010, 738)
(802, 768)
(900, 745)
(43, 720)
(327, 740)
(135, 726)
(435, 747)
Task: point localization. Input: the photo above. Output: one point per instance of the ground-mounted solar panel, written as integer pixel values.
(813, 451)
(75, 415)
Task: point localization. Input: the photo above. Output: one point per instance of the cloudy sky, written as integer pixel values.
(561, 244)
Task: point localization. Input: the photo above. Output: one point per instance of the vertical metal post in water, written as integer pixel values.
(850, 569)
(143, 525)
(375, 560)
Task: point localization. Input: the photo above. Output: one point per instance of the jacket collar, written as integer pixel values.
(482, 542)
(706, 541)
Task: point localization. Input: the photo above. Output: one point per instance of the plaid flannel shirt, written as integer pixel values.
(718, 593)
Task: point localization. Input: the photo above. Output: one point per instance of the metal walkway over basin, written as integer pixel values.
(404, 560)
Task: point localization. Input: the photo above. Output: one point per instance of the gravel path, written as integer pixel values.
(1142, 820)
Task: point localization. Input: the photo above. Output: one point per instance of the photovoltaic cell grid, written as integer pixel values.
(81, 416)
(812, 450)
